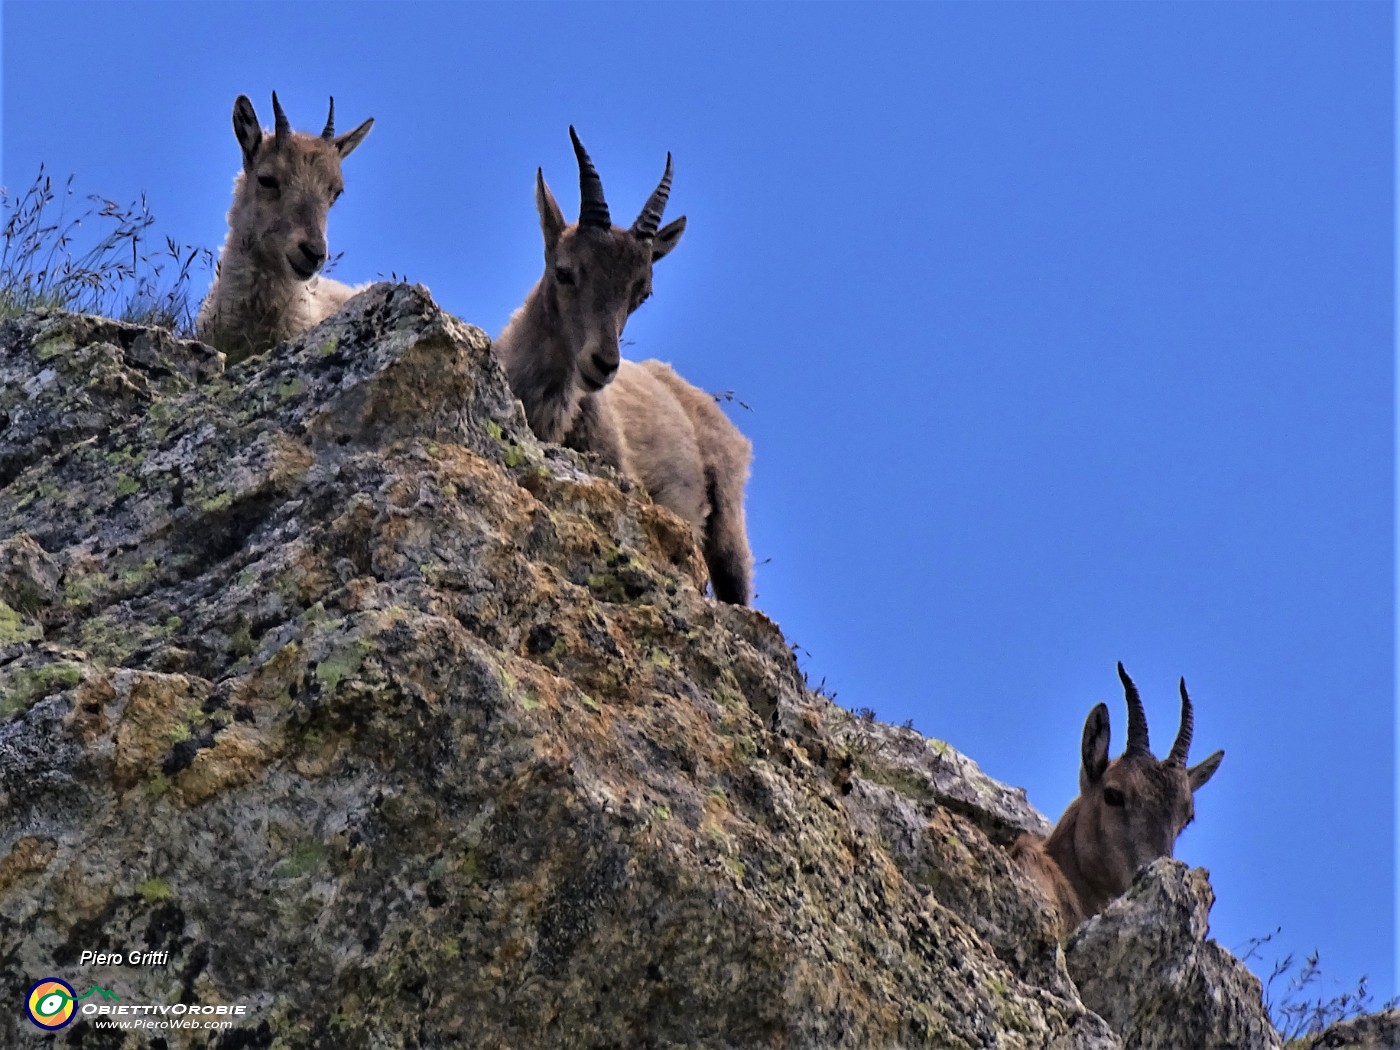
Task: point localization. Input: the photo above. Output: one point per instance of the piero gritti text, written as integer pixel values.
(136, 958)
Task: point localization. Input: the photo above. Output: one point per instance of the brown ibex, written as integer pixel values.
(1129, 812)
(561, 355)
(266, 287)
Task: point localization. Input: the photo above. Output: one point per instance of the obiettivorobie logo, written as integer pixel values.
(52, 1003)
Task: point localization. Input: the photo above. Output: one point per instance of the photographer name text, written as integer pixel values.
(118, 959)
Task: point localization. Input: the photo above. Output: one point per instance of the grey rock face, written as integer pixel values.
(320, 675)
(1144, 965)
(67, 377)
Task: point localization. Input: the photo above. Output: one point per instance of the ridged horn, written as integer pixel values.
(592, 208)
(282, 127)
(328, 132)
(1137, 717)
(650, 217)
(1182, 746)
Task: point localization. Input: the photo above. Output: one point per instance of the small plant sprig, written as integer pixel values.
(722, 396)
(1295, 1005)
(47, 259)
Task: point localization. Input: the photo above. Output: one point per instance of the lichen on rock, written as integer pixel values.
(1145, 965)
(401, 730)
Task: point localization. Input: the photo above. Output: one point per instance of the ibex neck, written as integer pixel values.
(250, 308)
(540, 366)
(1062, 848)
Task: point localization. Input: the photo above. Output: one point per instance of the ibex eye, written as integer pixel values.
(268, 182)
(1113, 796)
(563, 276)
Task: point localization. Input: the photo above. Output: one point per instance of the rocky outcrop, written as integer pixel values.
(1379, 1031)
(322, 678)
(65, 378)
(1144, 964)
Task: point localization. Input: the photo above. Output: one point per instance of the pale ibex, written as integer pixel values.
(266, 287)
(1129, 812)
(560, 352)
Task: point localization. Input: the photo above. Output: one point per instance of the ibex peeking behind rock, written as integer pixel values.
(1129, 812)
(560, 354)
(266, 287)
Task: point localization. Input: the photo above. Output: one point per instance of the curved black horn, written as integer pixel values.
(650, 217)
(282, 126)
(328, 132)
(1137, 717)
(592, 208)
(1182, 745)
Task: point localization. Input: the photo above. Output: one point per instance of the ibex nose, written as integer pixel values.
(314, 253)
(606, 366)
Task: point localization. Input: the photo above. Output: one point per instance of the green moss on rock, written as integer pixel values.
(30, 685)
(16, 628)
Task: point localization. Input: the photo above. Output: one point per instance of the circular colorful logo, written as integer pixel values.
(50, 1004)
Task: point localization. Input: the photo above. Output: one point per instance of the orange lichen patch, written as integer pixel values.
(573, 493)
(479, 482)
(267, 686)
(359, 595)
(80, 893)
(587, 509)
(287, 461)
(239, 755)
(672, 541)
(28, 856)
(157, 714)
(317, 758)
(298, 572)
(88, 720)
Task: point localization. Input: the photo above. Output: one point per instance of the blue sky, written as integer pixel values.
(1066, 332)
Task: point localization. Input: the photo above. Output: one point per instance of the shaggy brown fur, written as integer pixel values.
(1129, 812)
(561, 354)
(266, 288)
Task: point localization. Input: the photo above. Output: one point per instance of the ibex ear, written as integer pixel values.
(551, 217)
(246, 129)
(667, 238)
(1202, 772)
(345, 144)
(1093, 750)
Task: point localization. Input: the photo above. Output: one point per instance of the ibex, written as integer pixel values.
(1129, 812)
(561, 356)
(266, 287)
